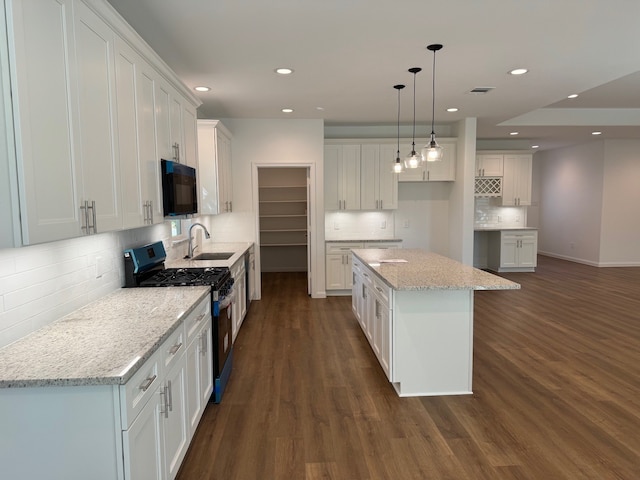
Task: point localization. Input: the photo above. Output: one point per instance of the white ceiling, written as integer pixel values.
(348, 54)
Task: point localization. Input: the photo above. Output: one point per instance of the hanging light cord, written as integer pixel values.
(413, 139)
(398, 87)
(433, 96)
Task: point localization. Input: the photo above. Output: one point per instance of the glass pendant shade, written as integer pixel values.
(397, 166)
(412, 160)
(432, 152)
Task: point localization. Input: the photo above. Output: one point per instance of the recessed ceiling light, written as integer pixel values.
(284, 71)
(452, 109)
(287, 110)
(202, 89)
(320, 108)
(535, 146)
(596, 133)
(518, 71)
(514, 133)
(573, 95)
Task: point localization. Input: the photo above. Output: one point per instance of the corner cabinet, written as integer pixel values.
(85, 143)
(214, 168)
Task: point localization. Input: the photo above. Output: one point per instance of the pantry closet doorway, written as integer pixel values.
(284, 219)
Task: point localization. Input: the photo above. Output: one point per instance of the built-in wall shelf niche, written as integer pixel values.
(283, 220)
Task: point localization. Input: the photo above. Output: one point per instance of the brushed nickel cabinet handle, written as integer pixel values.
(173, 350)
(147, 383)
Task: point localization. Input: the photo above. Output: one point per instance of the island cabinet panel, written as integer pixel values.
(433, 342)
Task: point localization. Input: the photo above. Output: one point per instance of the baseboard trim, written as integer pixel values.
(589, 262)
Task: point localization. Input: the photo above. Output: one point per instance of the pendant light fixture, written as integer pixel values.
(413, 159)
(432, 152)
(397, 167)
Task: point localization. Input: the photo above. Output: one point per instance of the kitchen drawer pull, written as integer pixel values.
(173, 350)
(379, 289)
(163, 399)
(200, 317)
(203, 343)
(147, 383)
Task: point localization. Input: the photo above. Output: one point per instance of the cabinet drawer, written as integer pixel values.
(383, 244)
(197, 318)
(344, 247)
(172, 349)
(383, 291)
(135, 394)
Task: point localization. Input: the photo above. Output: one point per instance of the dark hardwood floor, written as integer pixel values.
(556, 390)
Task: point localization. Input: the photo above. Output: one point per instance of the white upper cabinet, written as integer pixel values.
(489, 165)
(127, 64)
(47, 155)
(342, 177)
(441, 171)
(516, 182)
(97, 119)
(214, 168)
(378, 182)
(88, 144)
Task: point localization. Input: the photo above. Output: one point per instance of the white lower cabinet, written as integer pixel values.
(137, 431)
(142, 442)
(157, 440)
(338, 265)
(372, 304)
(239, 306)
(513, 250)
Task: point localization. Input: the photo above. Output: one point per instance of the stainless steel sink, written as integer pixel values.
(214, 256)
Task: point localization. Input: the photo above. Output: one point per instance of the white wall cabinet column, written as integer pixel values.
(47, 155)
(342, 177)
(97, 119)
(127, 64)
(214, 168)
(516, 187)
(378, 182)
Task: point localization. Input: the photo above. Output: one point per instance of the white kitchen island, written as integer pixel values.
(416, 310)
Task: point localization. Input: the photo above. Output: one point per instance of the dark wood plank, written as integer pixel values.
(556, 390)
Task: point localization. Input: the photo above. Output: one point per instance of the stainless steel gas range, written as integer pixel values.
(144, 267)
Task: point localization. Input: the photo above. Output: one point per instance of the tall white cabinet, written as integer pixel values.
(342, 177)
(88, 144)
(214, 168)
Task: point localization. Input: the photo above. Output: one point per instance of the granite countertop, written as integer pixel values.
(237, 248)
(366, 240)
(428, 271)
(499, 229)
(103, 343)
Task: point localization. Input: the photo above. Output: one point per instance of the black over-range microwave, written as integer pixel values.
(179, 192)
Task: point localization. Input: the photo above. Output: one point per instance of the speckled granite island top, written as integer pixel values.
(428, 271)
(103, 343)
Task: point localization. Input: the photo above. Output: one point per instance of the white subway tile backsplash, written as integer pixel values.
(489, 214)
(42, 283)
(358, 225)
